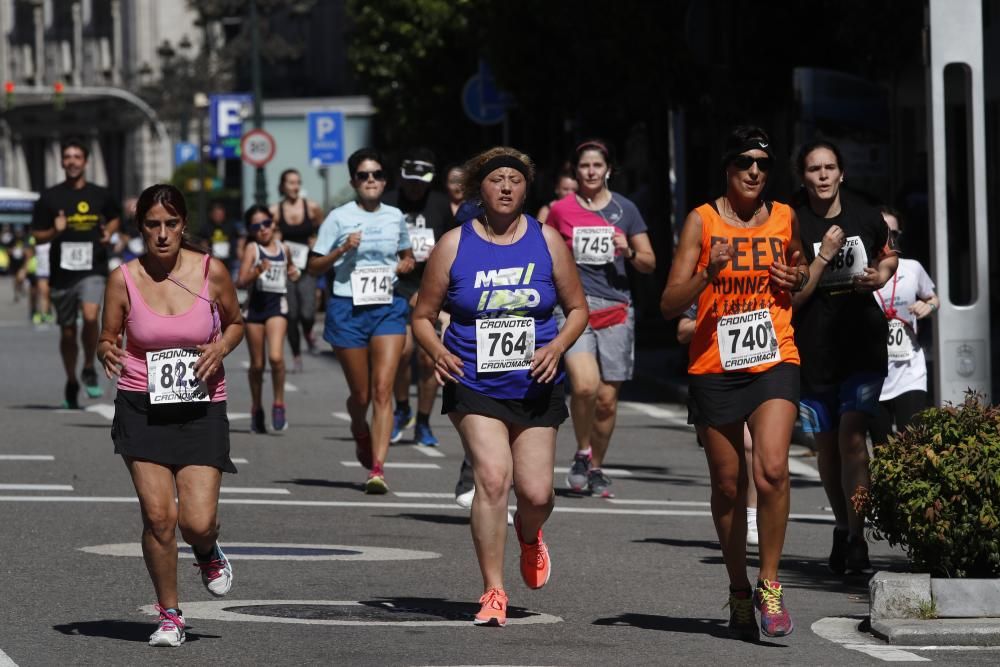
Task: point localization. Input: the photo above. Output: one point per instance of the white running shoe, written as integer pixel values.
(752, 538)
(216, 575)
(465, 499)
(170, 631)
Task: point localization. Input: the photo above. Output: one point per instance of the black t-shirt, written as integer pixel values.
(432, 212)
(77, 252)
(221, 241)
(840, 332)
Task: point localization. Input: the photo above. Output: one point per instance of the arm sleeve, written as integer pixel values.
(328, 233)
(633, 222)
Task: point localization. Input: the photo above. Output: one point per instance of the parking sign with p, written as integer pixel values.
(326, 137)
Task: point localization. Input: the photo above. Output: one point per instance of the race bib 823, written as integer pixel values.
(170, 377)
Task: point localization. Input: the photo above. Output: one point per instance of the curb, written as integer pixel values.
(939, 632)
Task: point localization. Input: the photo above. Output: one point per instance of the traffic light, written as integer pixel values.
(58, 99)
(8, 98)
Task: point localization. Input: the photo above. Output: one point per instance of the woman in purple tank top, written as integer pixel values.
(177, 311)
(502, 275)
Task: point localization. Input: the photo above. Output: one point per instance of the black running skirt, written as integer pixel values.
(547, 409)
(717, 399)
(175, 434)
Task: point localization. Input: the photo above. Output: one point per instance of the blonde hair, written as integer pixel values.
(470, 184)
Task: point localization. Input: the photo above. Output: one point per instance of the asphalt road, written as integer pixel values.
(327, 575)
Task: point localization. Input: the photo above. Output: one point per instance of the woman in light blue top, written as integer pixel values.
(362, 246)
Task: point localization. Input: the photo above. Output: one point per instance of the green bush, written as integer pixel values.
(935, 490)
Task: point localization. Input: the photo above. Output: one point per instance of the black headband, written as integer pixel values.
(751, 144)
(499, 161)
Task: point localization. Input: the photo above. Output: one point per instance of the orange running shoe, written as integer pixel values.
(494, 610)
(536, 566)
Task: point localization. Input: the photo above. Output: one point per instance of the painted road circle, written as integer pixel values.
(271, 551)
(410, 612)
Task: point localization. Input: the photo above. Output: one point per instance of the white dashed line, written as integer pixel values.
(106, 410)
(233, 416)
(290, 387)
(844, 631)
(35, 487)
(679, 503)
(5, 660)
(342, 415)
(255, 489)
(673, 415)
(239, 460)
(27, 457)
(614, 472)
(798, 468)
(411, 466)
(422, 494)
(432, 452)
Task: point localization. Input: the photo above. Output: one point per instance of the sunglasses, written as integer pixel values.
(263, 223)
(744, 162)
(363, 176)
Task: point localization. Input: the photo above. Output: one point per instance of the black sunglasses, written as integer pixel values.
(363, 176)
(744, 162)
(263, 223)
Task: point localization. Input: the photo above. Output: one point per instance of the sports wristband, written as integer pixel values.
(825, 260)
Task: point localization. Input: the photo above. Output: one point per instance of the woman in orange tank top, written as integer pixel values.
(739, 257)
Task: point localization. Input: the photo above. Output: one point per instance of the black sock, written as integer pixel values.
(204, 558)
(423, 418)
(403, 406)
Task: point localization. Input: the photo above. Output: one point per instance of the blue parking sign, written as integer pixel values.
(184, 152)
(326, 137)
(226, 122)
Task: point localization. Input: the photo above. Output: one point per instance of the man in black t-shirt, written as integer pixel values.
(428, 216)
(78, 219)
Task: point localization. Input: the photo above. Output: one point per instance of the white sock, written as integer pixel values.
(752, 517)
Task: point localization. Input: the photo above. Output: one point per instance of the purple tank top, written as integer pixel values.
(149, 331)
(490, 281)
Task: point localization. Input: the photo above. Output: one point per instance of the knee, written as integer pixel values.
(195, 531)
(534, 496)
(727, 490)
(68, 335)
(585, 390)
(492, 485)
(606, 408)
(773, 477)
(361, 399)
(277, 363)
(382, 396)
(256, 369)
(162, 524)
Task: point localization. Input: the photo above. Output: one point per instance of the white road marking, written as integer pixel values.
(5, 660)
(290, 387)
(229, 610)
(844, 631)
(614, 472)
(411, 466)
(422, 494)
(235, 460)
(432, 452)
(35, 487)
(391, 505)
(680, 503)
(798, 468)
(233, 550)
(106, 410)
(255, 489)
(27, 457)
(233, 416)
(342, 415)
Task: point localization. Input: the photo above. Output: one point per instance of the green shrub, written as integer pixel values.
(935, 490)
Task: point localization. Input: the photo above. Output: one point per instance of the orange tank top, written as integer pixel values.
(744, 324)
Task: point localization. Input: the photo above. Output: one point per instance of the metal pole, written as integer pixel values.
(202, 201)
(260, 182)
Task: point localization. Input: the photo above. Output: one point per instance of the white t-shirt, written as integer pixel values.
(911, 284)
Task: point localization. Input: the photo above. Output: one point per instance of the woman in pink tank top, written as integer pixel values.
(175, 311)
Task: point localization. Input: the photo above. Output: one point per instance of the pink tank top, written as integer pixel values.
(149, 331)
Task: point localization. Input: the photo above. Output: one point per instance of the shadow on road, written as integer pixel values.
(440, 608)
(716, 627)
(673, 542)
(446, 519)
(128, 631)
(325, 483)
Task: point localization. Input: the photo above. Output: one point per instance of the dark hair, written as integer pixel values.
(472, 167)
(743, 138)
(166, 196)
(359, 156)
(806, 149)
(74, 143)
(285, 174)
(592, 144)
(252, 211)
(216, 203)
(889, 210)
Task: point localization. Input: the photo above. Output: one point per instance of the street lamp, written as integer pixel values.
(201, 104)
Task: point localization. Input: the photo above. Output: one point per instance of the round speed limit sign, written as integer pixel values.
(257, 148)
